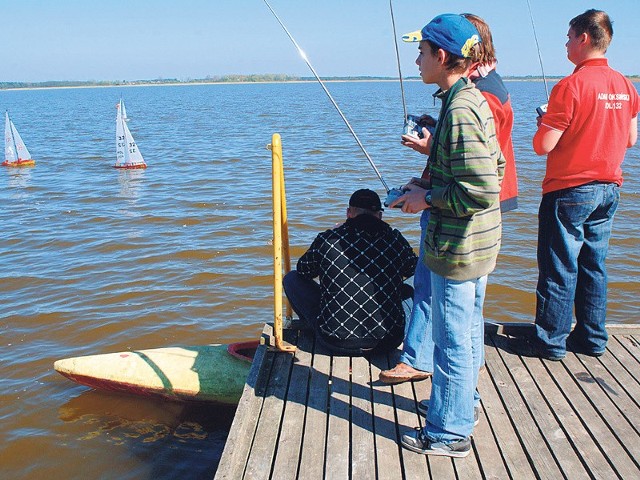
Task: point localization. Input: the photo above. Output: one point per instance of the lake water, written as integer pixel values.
(96, 260)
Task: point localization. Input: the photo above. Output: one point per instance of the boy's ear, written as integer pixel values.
(442, 56)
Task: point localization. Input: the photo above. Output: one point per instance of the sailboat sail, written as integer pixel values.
(10, 155)
(15, 151)
(120, 139)
(21, 148)
(127, 153)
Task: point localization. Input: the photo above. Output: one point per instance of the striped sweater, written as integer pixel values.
(466, 169)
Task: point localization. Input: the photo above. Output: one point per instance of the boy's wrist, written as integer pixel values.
(427, 198)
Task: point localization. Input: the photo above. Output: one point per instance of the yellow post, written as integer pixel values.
(279, 231)
(285, 230)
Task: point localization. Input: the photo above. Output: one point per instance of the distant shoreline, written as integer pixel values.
(234, 79)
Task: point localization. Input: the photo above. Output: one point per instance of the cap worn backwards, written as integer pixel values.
(449, 31)
(367, 199)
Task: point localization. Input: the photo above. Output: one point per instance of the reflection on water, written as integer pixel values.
(131, 184)
(96, 260)
(18, 181)
(148, 429)
(117, 417)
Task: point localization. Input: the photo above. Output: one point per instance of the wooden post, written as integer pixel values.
(280, 232)
(286, 257)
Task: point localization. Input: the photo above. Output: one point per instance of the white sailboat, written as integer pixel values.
(127, 153)
(15, 151)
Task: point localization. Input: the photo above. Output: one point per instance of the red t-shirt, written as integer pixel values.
(593, 107)
(497, 97)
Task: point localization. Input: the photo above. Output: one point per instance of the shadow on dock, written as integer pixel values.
(314, 415)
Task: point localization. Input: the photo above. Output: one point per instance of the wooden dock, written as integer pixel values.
(312, 416)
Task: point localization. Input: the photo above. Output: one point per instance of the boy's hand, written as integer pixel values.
(413, 199)
(420, 145)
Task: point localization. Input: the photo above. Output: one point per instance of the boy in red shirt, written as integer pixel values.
(590, 122)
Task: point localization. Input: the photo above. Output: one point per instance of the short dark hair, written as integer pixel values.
(453, 63)
(597, 25)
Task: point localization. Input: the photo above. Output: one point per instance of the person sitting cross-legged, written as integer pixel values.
(356, 307)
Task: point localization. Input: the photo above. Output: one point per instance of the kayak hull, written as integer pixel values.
(208, 373)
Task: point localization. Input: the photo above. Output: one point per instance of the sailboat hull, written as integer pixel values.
(131, 167)
(209, 373)
(19, 163)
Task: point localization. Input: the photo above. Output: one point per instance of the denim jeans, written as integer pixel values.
(417, 349)
(458, 334)
(304, 296)
(573, 239)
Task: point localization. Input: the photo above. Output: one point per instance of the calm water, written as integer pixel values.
(96, 260)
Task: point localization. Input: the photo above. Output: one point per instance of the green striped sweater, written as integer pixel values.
(466, 168)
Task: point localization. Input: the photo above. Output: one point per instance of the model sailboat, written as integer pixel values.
(15, 151)
(127, 153)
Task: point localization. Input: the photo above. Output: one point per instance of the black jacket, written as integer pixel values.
(361, 266)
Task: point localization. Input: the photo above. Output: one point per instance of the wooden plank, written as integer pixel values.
(312, 458)
(414, 465)
(614, 404)
(529, 382)
(551, 388)
(627, 361)
(468, 467)
(518, 329)
(623, 328)
(292, 431)
(582, 403)
(625, 381)
(498, 402)
(238, 444)
(438, 467)
(329, 417)
(492, 387)
(386, 439)
(264, 446)
(631, 345)
(337, 461)
(363, 448)
(485, 445)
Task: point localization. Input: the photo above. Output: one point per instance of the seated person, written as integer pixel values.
(356, 307)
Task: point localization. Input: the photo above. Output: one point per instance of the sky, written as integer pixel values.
(115, 40)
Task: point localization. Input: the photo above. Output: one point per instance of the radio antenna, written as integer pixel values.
(353, 133)
(395, 39)
(544, 78)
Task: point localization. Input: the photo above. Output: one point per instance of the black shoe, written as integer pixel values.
(423, 408)
(528, 348)
(577, 347)
(416, 441)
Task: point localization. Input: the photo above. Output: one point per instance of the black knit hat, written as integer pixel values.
(367, 199)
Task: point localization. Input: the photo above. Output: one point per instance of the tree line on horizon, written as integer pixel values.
(233, 78)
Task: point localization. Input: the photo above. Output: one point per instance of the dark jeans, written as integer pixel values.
(304, 296)
(573, 239)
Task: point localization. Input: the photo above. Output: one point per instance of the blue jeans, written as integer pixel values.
(573, 239)
(417, 349)
(304, 296)
(458, 334)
